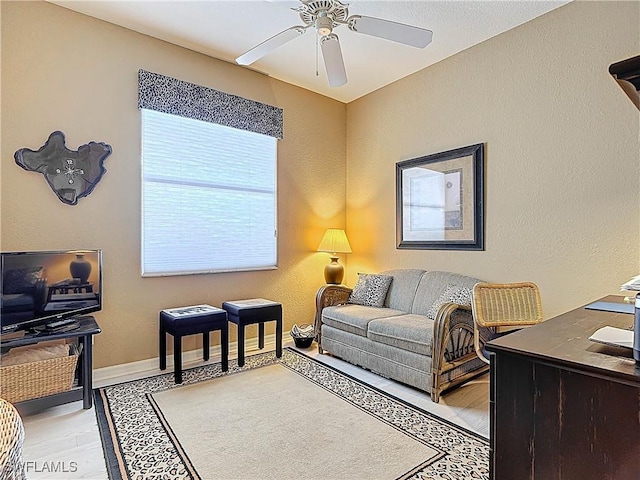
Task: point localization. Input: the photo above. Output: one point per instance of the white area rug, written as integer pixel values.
(287, 418)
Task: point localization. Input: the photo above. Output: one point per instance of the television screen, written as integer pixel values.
(40, 287)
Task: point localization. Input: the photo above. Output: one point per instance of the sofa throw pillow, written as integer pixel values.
(452, 294)
(370, 289)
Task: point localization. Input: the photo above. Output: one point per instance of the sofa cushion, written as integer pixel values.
(409, 332)
(453, 294)
(407, 367)
(403, 288)
(433, 285)
(370, 290)
(354, 318)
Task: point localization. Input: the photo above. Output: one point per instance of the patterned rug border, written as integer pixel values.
(397, 399)
(463, 453)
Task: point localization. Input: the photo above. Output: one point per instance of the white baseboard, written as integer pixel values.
(147, 368)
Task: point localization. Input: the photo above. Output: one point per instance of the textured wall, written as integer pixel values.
(65, 71)
(562, 161)
(562, 155)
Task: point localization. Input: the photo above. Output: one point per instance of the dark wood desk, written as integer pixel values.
(83, 390)
(563, 407)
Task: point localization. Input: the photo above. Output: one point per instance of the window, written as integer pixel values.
(208, 197)
(208, 178)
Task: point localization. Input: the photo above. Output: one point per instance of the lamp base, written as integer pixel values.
(334, 272)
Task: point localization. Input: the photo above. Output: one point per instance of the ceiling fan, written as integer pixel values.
(325, 16)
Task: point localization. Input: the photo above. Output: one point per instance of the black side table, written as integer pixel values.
(255, 310)
(190, 321)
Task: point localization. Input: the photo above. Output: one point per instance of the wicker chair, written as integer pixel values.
(11, 439)
(499, 305)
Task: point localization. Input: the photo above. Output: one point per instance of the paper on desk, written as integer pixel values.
(618, 337)
(632, 285)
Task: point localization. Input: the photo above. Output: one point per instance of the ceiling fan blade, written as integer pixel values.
(269, 45)
(333, 62)
(396, 32)
(292, 4)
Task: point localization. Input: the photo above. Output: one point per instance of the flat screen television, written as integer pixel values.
(41, 287)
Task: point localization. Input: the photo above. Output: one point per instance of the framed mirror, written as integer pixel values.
(440, 200)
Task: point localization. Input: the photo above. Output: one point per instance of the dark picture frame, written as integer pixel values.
(440, 200)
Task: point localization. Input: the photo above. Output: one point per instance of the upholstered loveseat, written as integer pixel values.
(420, 333)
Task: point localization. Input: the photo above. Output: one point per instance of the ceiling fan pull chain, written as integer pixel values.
(317, 61)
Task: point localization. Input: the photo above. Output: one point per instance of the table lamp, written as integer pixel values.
(334, 242)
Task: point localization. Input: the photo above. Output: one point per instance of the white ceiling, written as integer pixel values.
(225, 29)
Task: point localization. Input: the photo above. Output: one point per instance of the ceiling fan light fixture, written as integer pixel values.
(324, 25)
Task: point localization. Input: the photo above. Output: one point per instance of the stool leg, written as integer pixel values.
(177, 357)
(261, 335)
(162, 349)
(240, 344)
(205, 345)
(224, 346)
(279, 337)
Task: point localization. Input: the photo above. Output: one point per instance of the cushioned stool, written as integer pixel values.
(255, 310)
(190, 321)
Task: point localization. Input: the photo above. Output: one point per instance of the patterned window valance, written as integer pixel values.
(177, 97)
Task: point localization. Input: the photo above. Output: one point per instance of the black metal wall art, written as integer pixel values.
(70, 174)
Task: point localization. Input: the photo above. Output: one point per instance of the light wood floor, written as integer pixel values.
(63, 442)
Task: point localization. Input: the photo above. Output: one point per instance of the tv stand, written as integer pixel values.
(87, 327)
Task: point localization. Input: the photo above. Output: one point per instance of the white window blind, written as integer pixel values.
(208, 197)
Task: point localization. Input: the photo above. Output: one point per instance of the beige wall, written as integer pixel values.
(562, 161)
(69, 72)
(562, 155)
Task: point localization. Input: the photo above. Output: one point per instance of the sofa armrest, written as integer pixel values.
(454, 357)
(327, 296)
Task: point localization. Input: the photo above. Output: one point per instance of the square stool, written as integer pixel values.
(255, 310)
(190, 321)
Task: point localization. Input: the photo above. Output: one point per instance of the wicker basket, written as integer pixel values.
(38, 379)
